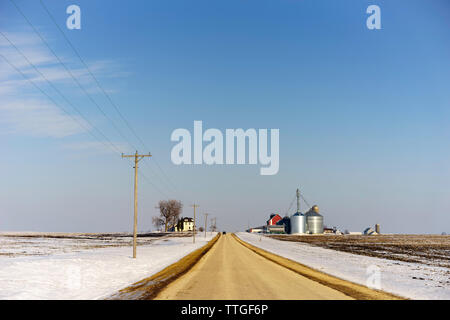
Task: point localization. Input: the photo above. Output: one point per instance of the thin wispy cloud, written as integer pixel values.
(96, 146)
(24, 109)
(38, 118)
(20, 39)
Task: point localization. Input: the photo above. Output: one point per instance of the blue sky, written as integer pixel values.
(363, 114)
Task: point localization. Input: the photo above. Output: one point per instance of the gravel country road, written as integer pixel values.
(231, 271)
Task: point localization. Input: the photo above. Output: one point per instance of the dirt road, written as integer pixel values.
(231, 271)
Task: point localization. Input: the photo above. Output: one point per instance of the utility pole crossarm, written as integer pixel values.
(140, 156)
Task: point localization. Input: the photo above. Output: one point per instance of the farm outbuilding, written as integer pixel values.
(278, 228)
(274, 219)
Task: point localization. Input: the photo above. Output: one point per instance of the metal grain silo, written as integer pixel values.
(298, 223)
(314, 221)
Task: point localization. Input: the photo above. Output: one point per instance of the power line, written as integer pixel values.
(72, 76)
(153, 185)
(104, 91)
(89, 71)
(114, 147)
(51, 99)
(111, 145)
(76, 80)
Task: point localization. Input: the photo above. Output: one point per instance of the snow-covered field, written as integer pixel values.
(32, 245)
(42, 268)
(410, 280)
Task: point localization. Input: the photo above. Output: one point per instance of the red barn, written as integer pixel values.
(274, 218)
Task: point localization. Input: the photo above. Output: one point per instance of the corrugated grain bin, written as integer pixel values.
(314, 221)
(298, 223)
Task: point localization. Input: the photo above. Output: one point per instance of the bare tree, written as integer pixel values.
(157, 222)
(169, 211)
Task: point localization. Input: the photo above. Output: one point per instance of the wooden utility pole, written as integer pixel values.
(206, 221)
(193, 234)
(137, 157)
